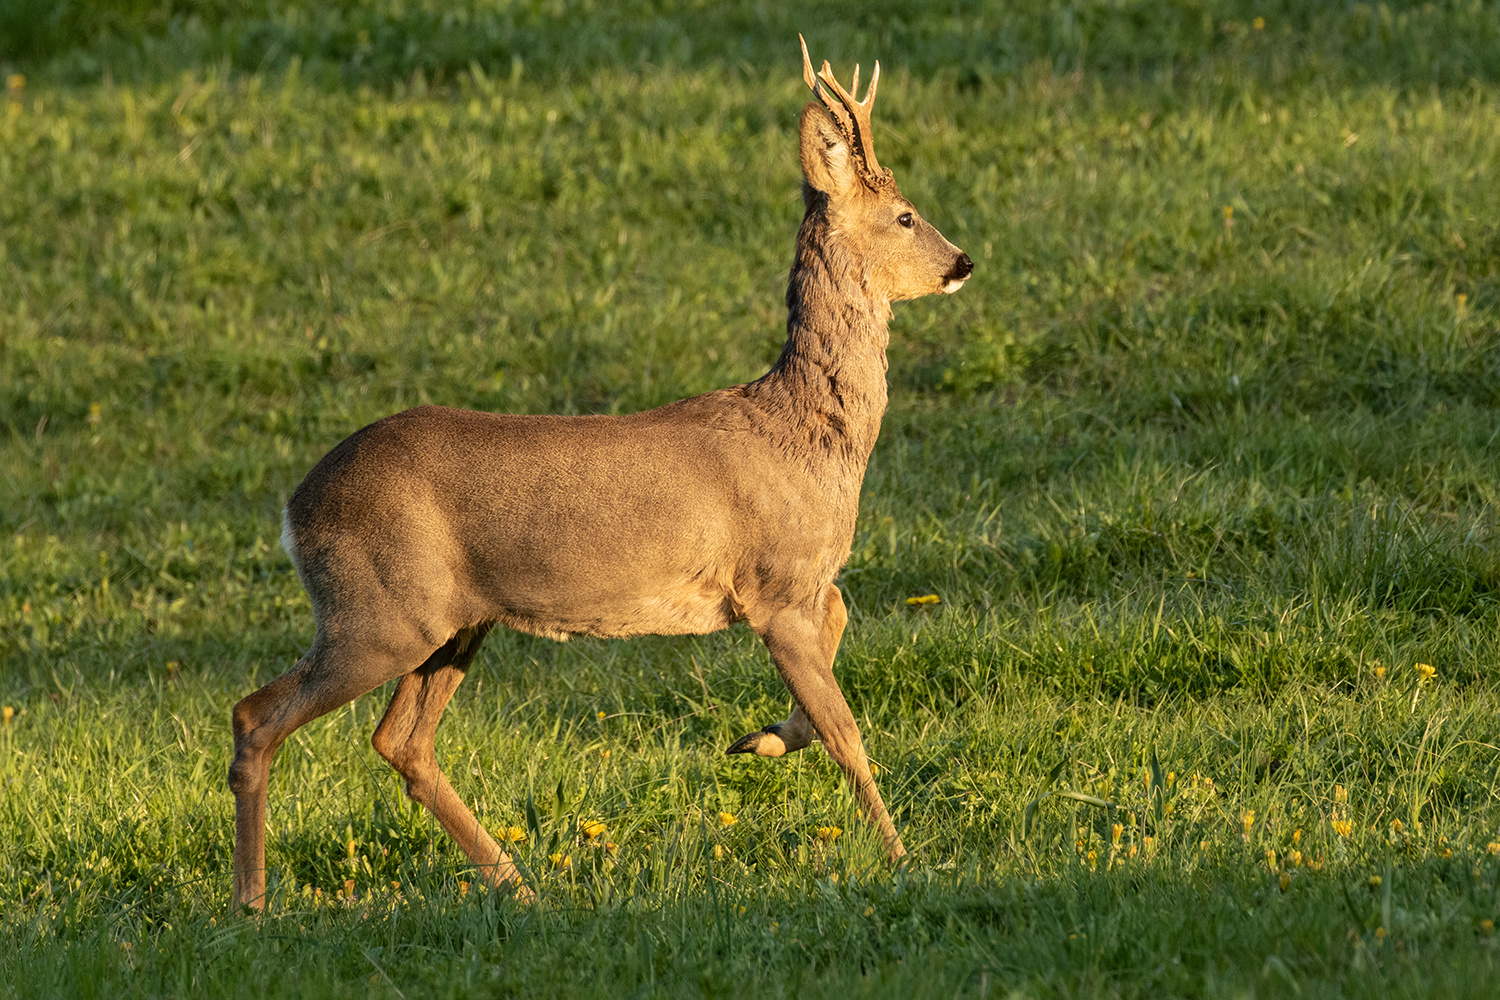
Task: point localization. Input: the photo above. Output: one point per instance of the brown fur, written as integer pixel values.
(418, 533)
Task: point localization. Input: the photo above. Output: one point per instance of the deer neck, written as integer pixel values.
(829, 384)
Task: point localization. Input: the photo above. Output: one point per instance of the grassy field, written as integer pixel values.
(1203, 464)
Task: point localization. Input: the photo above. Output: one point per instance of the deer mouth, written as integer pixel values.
(954, 279)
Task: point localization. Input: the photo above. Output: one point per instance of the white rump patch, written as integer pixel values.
(289, 542)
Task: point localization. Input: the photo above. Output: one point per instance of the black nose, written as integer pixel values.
(962, 268)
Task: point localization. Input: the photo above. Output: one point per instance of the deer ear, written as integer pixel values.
(827, 162)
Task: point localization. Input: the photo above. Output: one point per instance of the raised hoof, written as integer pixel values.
(766, 743)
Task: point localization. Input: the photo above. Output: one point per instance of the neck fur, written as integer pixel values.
(830, 380)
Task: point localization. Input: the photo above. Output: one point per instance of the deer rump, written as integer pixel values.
(675, 521)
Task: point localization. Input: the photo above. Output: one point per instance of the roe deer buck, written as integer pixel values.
(422, 531)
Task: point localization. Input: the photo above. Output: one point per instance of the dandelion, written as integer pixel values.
(1293, 859)
(1397, 825)
(463, 888)
(599, 715)
(924, 599)
(1297, 835)
(1380, 673)
(1114, 834)
(612, 847)
(1093, 858)
(1427, 670)
(1171, 777)
(1285, 881)
(869, 911)
(604, 754)
(513, 834)
(6, 714)
(1375, 881)
(593, 829)
(560, 860)
(1342, 827)
(1340, 794)
(1247, 821)
(1259, 24)
(828, 834)
(1487, 927)
(726, 820)
(1493, 847)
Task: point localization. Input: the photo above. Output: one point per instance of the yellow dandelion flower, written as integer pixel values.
(593, 829)
(6, 714)
(1487, 927)
(1342, 827)
(1380, 673)
(1259, 24)
(1297, 835)
(1397, 825)
(513, 834)
(924, 599)
(1493, 847)
(869, 911)
(560, 860)
(1375, 881)
(463, 888)
(1340, 794)
(612, 847)
(727, 820)
(828, 834)
(1427, 672)
(1294, 859)
(1114, 834)
(599, 715)
(1171, 777)
(1247, 821)
(1093, 858)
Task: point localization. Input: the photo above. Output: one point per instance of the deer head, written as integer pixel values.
(899, 254)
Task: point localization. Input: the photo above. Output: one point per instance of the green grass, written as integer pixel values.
(1199, 490)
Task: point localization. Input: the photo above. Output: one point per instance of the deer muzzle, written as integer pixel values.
(955, 278)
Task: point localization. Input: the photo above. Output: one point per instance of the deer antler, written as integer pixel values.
(853, 117)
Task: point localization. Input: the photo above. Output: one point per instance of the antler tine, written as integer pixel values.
(807, 70)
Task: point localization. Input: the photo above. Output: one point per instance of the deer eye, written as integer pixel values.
(906, 220)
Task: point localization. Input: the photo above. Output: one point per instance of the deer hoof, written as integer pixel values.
(766, 743)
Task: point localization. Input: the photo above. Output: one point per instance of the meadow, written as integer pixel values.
(1202, 466)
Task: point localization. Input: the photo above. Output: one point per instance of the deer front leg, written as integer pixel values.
(802, 642)
(779, 737)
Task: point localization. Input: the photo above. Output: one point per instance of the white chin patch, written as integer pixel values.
(952, 286)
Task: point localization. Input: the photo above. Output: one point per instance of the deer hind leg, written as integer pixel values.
(330, 675)
(802, 642)
(797, 730)
(405, 738)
